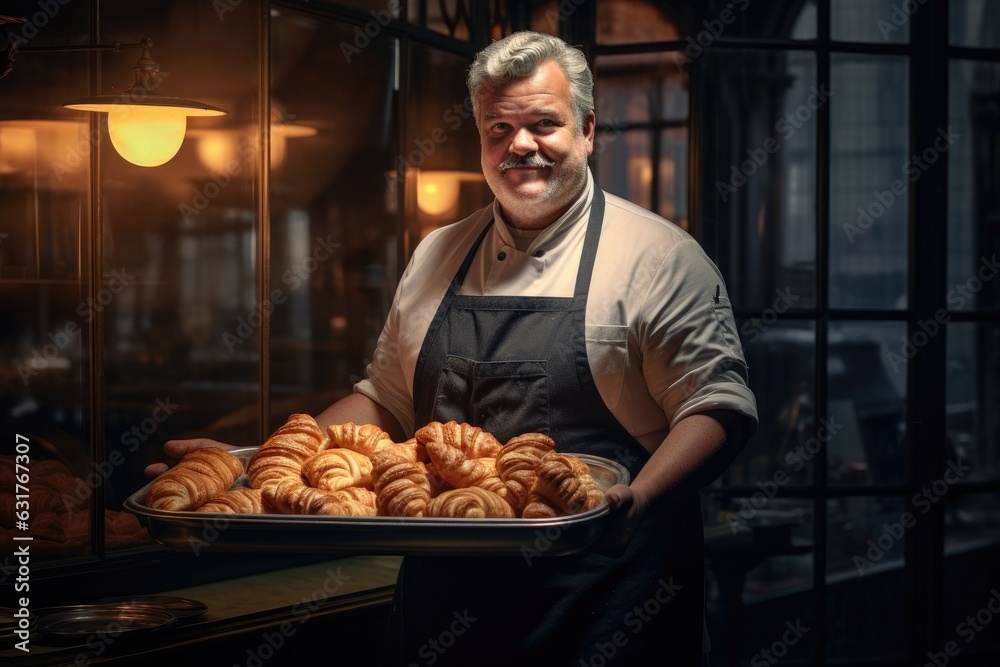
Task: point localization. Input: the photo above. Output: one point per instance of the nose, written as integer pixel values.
(523, 142)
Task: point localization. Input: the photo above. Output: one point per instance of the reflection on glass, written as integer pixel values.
(971, 578)
(881, 21)
(974, 23)
(972, 395)
(870, 178)
(759, 174)
(625, 168)
(673, 189)
(867, 367)
(973, 186)
(641, 88)
(782, 361)
(333, 228)
(866, 580)
(759, 557)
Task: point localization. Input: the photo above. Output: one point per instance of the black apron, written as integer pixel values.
(513, 365)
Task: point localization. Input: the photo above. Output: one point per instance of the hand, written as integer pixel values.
(177, 449)
(627, 508)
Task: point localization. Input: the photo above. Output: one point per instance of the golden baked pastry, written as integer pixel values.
(537, 506)
(517, 465)
(339, 468)
(202, 474)
(402, 487)
(235, 501)
(361, 438)
(461, 472)
(565, 480)
(356, 494)
(283, 454)
(474, 442)
(291, 498)
(471, 503)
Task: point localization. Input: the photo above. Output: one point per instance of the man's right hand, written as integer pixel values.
(177, 449)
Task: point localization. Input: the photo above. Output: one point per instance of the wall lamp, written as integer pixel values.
(145, 128)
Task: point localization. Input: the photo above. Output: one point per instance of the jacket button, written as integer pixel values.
(539, 253)
(501, 255)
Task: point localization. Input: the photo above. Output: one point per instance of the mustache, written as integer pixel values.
(531, 160)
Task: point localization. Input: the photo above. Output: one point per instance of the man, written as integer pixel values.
(563, 310)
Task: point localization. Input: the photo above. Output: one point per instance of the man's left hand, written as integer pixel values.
(627, 508)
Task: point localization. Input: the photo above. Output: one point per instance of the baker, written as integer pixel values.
(564, 310)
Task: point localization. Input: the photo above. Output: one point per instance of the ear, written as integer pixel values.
(590, 130)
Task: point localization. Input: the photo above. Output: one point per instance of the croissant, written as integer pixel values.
(340, 468)
(290, 497)
(470, 503)
(461, 472)
(518, 462)
(356, 494)
(236, 501)
(402, 487)
(565, 480)
(283, 454)
(361, 438)
(474, 442)
(202, 474)
(537, 506)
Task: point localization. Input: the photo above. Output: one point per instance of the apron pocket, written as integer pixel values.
(506, 398)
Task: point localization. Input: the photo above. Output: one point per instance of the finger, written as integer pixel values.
(178, 448)
(154, 470)
(619, 496)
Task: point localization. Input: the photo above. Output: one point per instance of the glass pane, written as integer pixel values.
(759, 579)
(971, 577)
(866, 396)
(782, 361)
(972, 396)
(182, 343)
(870, 176)
(973, 135)
(331, 275)
(759, 178)
(872, 20)
(640, 88)
(673, 187)
(441, 155)
(624, 167)
(974, 23)
(701, 23)
(45, 266)
(867, 588)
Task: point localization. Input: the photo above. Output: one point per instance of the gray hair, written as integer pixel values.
(519, 55)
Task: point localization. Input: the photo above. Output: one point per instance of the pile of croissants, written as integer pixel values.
(452, 470)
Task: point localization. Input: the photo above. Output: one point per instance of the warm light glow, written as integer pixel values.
(146, 136)
(18, 146)
(217, 149)
(280, 134)
(437, 191)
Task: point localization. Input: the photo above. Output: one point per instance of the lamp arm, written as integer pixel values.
(146, 69)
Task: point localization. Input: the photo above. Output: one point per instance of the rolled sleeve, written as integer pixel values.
(692, 356)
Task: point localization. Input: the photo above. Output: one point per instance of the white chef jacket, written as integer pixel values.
(661, 338)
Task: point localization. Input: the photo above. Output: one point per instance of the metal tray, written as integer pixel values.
(392, 536)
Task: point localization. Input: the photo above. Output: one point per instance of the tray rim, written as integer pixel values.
(390, 535)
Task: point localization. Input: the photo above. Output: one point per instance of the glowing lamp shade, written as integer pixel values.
(149, 133)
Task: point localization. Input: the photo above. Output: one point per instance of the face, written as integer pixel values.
(533, 156)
